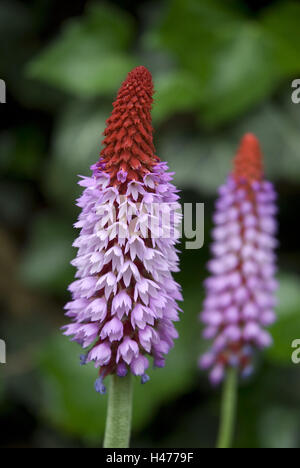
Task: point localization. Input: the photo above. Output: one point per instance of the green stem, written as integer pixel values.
(118, 421)
(228, 409)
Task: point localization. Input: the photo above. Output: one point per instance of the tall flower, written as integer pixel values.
(240, 300)
(124, 298)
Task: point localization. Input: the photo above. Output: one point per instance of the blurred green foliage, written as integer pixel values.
(218, 51)
(90, 54)
(220, 69)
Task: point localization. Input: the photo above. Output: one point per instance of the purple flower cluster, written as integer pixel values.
(240, 300)
(124, 298)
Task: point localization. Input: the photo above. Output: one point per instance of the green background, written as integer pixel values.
(220, 69)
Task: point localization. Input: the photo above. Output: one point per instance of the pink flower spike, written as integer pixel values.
(240, 290)
(124, 298)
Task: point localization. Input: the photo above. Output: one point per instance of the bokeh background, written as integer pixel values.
(220, 69)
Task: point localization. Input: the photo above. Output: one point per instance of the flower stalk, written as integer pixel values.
(119, 413)
(228, 409)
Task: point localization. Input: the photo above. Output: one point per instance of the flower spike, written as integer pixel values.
(240, 300)
(124, 297)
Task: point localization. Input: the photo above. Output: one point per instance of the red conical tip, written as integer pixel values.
(248, 160)
(142, 77)
(128, 152)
